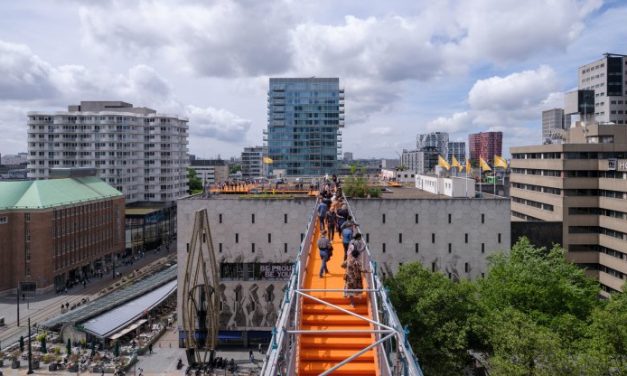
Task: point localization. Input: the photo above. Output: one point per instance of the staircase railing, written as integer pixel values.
(395, 357)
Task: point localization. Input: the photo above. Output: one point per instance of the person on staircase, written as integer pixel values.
(354, 268)
(331, 223)
(325, 248)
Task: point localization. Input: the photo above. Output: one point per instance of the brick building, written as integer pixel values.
(485, 145)
(59, 231)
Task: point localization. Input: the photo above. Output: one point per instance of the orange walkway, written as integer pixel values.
(319, 352)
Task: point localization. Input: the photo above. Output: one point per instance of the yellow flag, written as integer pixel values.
(267, 160)
(468, 167)
(484, 165)
(500, 162)
(443, 163)
(455, 163)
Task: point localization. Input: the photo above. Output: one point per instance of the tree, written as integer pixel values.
(194, 182)
(356, 184)
(235, 168)
(439, 314)
(42, 344)
(68, 347)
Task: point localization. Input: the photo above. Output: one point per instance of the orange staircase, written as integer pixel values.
(336, 335)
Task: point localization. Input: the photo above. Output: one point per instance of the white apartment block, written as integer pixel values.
(135, 149)
(608, 78)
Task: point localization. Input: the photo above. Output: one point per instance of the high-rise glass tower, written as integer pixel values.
(304, 120)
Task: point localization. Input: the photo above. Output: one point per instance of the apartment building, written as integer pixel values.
(456, 149)
(252, 162)
(304, 120)
(554, 125)
(583, 184)
(485, 145)
(211, 171)
(608, 78)
(437, 141)
(138, 151)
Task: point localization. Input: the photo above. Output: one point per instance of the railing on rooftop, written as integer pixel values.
(395, 357)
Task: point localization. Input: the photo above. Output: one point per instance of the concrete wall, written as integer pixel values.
(239, 312)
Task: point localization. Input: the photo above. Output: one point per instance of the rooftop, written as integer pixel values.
(43, 194)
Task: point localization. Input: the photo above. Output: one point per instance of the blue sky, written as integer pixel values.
(407, 66)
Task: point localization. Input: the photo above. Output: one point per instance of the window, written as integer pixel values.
(285, 218)
(236, 237)
(449, 218)
(433, 237)
(450, 248)
(302, 236)
(4, 220)
(482, 275)
(252, 218)
(219, 218)
(450, 276)
(252, 247)
(219, 247)
(482, 247)
(466, 238)
(417, 246)
(499, 238)
(383, 248)
(417, 218)
(187, 247)
(400, 237)
(269, 238)
(383, 218)
(27, 217)
(367, 237)
(284, 247)
(482, 218)
(466, 268)
(433, 266)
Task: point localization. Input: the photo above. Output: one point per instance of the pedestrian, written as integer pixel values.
(347, 235)
(353, 277)
(150, 348)
(259, 347)
(331, 223)
(322, 212)
(325, 248)
(342, 215)
(251, 357)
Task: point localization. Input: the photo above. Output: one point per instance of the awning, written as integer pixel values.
(128, 329)
(110, 322)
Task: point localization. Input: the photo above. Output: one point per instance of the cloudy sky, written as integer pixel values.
(407, 66)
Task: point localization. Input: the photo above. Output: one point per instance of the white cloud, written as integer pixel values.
(23, 75)
(458, 122)
(380, 131)
(217, 123)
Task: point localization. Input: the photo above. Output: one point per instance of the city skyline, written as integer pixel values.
(400, 67)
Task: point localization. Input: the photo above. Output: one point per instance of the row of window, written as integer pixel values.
(537, 172)
(605, 269)
(538, 188)
(597, 248)
(535, 204)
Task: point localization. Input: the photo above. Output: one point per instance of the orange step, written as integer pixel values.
(335, 342)
(335, 355)
(334, 320)
(357, 368)
(322, 309)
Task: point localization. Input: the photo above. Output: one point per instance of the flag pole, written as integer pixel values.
(494, 176)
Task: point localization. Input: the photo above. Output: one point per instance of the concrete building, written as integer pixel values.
(437, 141)
(606, 77)
(583, 184)
(419, 161)
(252, 162)
(211, 171)
(304, 120)
(458, 150)
(348, 156)
(554, 126)
(390, 164)
(56, 232)
(135, 149)
(485, 145)
(256, 242)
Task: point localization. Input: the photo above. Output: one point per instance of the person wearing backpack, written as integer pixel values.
(325, 249)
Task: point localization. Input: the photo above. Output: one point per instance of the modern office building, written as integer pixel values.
(138, 151)
(256, 242)
(56, 232)
(433, 140)
(554, 125)
(583, 184)
(456, 149)
(252, 162)
(420, 161)
(210, 171)
(607, 77)
(485, 145)
(304, 120)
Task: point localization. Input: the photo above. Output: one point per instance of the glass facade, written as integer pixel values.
(304, 120)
